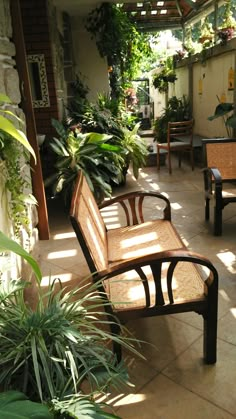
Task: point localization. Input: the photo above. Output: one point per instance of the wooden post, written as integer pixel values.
(27, 106)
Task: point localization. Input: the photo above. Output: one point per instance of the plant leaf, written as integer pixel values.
(8, 127)
(15, 405)
(7, 244)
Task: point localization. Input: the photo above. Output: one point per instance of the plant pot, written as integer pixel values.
(206, 38)
(225, 34)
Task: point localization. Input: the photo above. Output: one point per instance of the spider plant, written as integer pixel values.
(49, 353)
(92, 153)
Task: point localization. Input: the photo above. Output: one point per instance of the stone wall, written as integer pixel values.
(9, 85)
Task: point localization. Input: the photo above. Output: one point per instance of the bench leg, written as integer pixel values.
(210, 328)
(207, 209)
(210, 340)
(217, 220)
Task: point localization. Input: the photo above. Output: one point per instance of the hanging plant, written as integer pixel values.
(119, 42)
(167, 75)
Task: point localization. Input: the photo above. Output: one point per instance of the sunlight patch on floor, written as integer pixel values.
(62, 254)
(62, 236)
(229, 260)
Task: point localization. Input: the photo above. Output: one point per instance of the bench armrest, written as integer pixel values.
(155, 261)
(212, 178)
(133, 202)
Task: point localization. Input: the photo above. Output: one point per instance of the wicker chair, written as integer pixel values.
(219, 177)
(144, 268)
(175, 131)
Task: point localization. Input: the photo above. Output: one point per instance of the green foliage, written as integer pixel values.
(15, 405)
(11, 141)
(50, 352)
(82, 408)
(7, 127)
(166, 75)
(15, 183)
(225, 111)
(119, 41)
(177, 110)
(92, 153)
(136, 149)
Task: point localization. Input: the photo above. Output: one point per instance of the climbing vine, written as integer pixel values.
(119, 41)
(13, 158)
(15, 183)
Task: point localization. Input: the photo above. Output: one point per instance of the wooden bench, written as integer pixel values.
(219, 177)
(145, 268)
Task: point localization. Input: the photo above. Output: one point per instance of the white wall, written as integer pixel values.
(88, 61)
(214, 76)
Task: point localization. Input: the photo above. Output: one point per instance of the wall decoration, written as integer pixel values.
(223, 97)
(200, 86)
(38, 80)
(231, 79)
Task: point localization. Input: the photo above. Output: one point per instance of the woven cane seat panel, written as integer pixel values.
(143, 239)
(93, 228)
(223, 157)
(126, 291)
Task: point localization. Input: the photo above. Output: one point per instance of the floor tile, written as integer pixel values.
(164, 399)
(216, 383)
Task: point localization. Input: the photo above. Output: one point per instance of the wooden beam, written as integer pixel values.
(27, 106)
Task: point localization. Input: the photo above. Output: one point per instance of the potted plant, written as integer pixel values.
(207, 32)
(227, 28)
(165, 76)
(91, 152)
(49, 353)
(176, 110)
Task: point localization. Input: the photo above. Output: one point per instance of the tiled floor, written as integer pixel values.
(173, 382)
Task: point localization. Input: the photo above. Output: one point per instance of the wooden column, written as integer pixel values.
(27, 106)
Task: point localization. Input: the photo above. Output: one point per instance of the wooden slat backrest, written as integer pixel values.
(89, 225)
(222, 155)
(181, 129)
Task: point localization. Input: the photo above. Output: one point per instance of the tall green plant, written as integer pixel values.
(135, 148)
(100, 161)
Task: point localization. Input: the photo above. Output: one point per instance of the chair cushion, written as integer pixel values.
(142, 239)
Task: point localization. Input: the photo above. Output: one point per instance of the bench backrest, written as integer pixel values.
(89, 225)
(221, 153)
